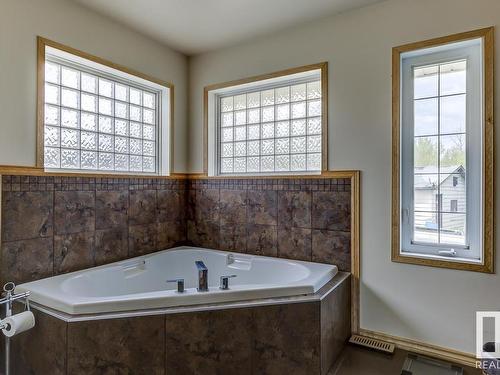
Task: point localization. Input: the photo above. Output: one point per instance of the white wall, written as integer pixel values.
(428, 304)
(68, 23)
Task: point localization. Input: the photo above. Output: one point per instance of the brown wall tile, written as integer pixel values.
(141, 240)
(41, 350)
(111, 245)
(191, 204)
(282, 344)
(111, 209)
(203, 234)
(66, 206)
(294, 243)
(142, 207)
(117, 346)
(335, 324)
(332, 248)
(262, 207)
(233, 237)
(331, 210)
(262, 240)
(170, 234)
(74, 211)
(27, 260)
(27, 215)
(171, 205)
(73, 252)
(233, 206)
(210, 343)
(207, 205)
(294, 209)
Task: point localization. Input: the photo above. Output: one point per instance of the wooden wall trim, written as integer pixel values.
(487, 34)
(205, 130)
(36, 171)
(326, 174)
(439, 352)
(323, 66)
(260, 77)
(355, 250)
(40, 101)
(324, 116)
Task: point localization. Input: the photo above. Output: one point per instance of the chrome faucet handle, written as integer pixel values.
(180, 284)
(224, 281)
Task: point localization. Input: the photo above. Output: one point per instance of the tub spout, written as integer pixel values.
(202, 276)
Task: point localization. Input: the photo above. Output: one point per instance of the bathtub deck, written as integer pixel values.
(318, 296)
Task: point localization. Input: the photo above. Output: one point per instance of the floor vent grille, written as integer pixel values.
(374, 344)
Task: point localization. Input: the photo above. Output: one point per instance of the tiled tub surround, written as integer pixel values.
(301, 219)
(54, 225)
(290, 335)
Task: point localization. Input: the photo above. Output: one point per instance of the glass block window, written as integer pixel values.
(272, 129)
(97, 122)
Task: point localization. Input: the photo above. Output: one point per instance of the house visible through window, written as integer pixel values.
(454, 205)
(100, 119)
(268, 126)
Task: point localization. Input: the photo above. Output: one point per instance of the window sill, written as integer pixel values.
(464, 264)
(36, 171)
(273, 174)
(324, 174)
(96, 173)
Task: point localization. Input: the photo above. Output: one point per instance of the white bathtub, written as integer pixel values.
(140, 283)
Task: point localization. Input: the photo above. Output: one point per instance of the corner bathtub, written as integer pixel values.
(140, 283)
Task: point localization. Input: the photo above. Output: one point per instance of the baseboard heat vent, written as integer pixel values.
(374, 344)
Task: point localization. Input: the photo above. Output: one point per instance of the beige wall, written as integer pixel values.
(429, 304)
(65, 22)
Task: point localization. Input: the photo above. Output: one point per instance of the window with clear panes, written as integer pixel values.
(94, 121)
(441, 150)
(270, 128)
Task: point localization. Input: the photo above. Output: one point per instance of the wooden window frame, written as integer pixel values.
(322, 66)
(487, 265)
(42, 43)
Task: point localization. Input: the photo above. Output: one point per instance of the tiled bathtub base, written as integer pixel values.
(288, 338)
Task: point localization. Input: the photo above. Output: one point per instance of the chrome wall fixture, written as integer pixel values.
(9, 297)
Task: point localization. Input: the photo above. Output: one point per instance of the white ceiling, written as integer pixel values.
(196, 26)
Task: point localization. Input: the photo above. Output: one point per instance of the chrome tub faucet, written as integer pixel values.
(202, 276)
